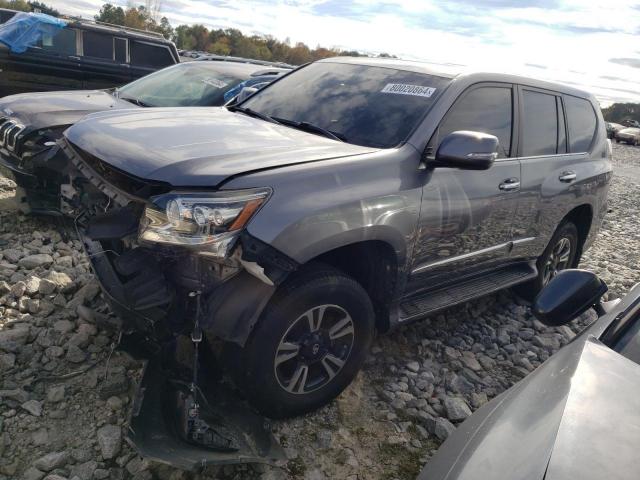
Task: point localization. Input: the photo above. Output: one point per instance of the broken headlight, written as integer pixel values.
(200, 219)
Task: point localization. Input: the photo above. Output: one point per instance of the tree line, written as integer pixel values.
(621, 112)
(222, 41)
(28, 6)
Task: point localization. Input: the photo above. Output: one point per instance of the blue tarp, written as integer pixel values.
(25, 29)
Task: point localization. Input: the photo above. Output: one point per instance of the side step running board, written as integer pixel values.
(426, 303)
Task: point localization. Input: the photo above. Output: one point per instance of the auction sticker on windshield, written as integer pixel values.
(403, 89)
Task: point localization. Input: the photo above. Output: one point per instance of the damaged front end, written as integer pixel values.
(176, 266)
(29, 156)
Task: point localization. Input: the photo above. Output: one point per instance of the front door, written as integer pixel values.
(466, 216)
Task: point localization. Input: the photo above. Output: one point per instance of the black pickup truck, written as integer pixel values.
(81, 55)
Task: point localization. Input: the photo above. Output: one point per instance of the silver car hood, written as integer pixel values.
(50, 109)
(576, 416)
(198, 147)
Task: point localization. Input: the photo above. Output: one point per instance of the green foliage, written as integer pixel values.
(111, 14)
(134, 17)
(621, 112)
(44, 8)
(28, 6)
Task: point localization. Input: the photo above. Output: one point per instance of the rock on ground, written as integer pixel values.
(418, 382)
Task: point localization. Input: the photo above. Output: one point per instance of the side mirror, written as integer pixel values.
(567, 295)
(245, 93)
(467, 151)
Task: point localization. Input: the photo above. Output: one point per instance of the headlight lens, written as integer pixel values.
(200, 219)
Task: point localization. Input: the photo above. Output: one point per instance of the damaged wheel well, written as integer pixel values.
(374, 265)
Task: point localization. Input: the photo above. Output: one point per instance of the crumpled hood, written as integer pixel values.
(50, 109)
(198, 147)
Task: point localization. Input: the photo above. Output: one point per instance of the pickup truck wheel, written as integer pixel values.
(559, 255)
(309, 344)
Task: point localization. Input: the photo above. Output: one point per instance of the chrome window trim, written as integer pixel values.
(464, 256)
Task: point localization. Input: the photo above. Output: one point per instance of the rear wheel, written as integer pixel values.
(560, 254)
(310, 342)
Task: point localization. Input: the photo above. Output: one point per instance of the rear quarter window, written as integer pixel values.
(97, 45)
(582, 121)
(149, 55)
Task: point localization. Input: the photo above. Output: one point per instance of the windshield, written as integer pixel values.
(184, 85)
(370, 106)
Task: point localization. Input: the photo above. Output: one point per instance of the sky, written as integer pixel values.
(591, 44)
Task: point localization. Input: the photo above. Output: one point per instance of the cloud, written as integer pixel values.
(557, 40)
(630, 62)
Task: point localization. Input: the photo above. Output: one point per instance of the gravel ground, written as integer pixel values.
(418, 383)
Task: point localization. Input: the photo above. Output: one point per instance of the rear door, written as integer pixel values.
(147, 57)
(556, 133)
(51, 64)
(104, 60)
(466, 216)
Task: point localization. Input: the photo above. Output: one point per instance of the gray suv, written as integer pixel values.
(349, 197)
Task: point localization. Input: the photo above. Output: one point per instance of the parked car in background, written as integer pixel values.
(350, 196)
(632, 123)
(30, 123)
(575, 416)
(613, 128)
(630, 136)
(76, 54)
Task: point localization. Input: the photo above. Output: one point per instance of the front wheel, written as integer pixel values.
(560, 254)
(309, 344)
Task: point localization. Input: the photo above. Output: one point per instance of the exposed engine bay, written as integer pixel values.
(186, 413)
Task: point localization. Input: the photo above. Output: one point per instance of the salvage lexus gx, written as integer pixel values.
(348, 197)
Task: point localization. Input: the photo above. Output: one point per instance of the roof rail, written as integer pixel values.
(118, 27)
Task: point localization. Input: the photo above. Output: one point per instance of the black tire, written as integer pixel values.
(617, 140)
(264, 381)
(548, 264)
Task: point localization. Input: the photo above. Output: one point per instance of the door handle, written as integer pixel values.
(510, 184)
(567, 177)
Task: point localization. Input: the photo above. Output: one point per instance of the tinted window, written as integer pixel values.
(582, 123)
(485, 109)
(365, 105)
(62, 42)
(5, 16)
(146, 55)
(98, 45)
(539, 124)
(120, 50)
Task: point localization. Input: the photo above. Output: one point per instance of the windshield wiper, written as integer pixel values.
(311, 128)
(135, 101)
(252, 113)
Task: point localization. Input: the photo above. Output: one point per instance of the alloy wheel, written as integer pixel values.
(558, 259)
(314, 349)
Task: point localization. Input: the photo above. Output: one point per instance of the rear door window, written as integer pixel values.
(582, 123)
(485, 109)
(62, 42)
(98, 45)
(148, 55)
(539, 124)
